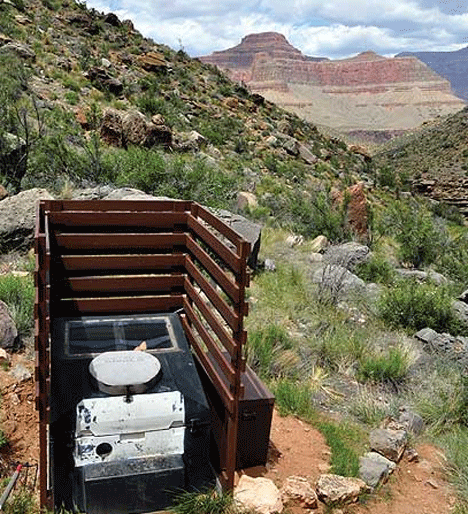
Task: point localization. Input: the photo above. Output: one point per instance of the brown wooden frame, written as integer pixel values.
(125, 256)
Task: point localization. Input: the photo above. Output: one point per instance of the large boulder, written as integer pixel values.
(112, 129)
(347, 255)
(251, 232)
(8, 331)
(389, 443)
(299, 490)
(258, 494)
(333, 489)
(18, 219)
(374, 468)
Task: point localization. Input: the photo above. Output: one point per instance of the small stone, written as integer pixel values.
(21, 373)
(433, 484)
(246, 200)
(15, 399)
(319, 244)
(412, 455)
(269, 265)
(4, 357)
(294, 240)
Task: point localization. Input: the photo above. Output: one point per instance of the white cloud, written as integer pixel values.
(333, 28)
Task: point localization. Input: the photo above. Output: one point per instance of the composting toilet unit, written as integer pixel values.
(130, 422)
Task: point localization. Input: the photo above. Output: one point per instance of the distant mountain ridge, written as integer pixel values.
(451, 65)
(367, 92)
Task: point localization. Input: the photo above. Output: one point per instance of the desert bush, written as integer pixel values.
(18, 293)
(376, 269)
(413, 305)
(411, 224)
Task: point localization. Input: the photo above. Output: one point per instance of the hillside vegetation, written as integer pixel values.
(85, 100)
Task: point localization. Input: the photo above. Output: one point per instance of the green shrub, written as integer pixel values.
(376, 269)
(413, 305)
(412, 225)
(391, 366)
(18, 293)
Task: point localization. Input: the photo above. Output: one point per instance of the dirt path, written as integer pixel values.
(414, 488)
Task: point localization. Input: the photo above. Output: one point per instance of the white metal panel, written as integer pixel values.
(121, 415)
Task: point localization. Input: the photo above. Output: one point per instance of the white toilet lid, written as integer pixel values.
(115, 372)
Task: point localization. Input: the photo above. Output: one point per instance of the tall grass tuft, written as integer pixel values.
(391, 366)
(208, 502)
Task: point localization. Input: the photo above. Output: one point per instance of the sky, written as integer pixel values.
(321, 28)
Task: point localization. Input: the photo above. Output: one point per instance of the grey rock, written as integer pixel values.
(422, 276)
(460, 310)
(389, 443)
(464, 296)
(8, 331)
(412, 421)
(251, 232)
(21, 373)
(427, 335)
(306, 155)
(338, 281)
(290, 144)
(20, 49)
(269, 265)
(374, 468)
(18, 219)
(347, 254)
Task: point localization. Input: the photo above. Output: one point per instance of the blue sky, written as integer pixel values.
(331, 28)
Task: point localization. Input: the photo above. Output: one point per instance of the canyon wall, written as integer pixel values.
(367, 92)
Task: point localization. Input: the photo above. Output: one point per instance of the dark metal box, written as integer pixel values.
(255, 414)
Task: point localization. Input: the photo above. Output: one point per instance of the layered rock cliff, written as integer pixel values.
(365, 92)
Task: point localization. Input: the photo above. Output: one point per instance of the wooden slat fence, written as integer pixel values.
(126, 257)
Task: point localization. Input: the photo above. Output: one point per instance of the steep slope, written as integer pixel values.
(451, 65)
(103, 104)
(436, 157)
(365, 93)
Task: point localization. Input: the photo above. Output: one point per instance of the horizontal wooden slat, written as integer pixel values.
(120, 205)
(119, 305)
(213, 268)
(129, 263)
(211, 345)
(227, 255)
(231, 317)
(224, 229)
(221, 387)
(207, 313)
(133, 242)
(120, 285)
(145, 219)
